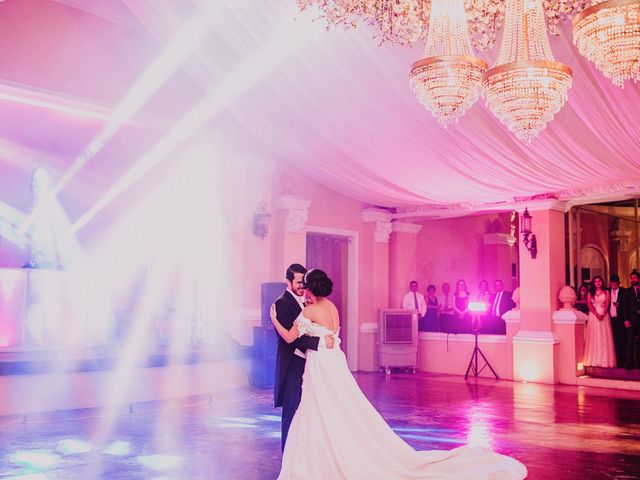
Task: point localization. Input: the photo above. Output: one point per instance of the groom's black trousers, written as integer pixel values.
(291, 393)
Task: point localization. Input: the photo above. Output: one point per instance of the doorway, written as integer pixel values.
(335, 253)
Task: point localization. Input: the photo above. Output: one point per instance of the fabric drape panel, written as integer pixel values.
(338, 106)
(329, 253)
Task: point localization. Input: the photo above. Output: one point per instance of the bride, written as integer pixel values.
(337, 434)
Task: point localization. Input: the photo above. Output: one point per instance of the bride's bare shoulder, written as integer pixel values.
(311, 311)
(321, 314)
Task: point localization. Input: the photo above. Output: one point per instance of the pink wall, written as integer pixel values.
(442, 353)
(402, 265)
(258, 260)
(448, 250)
(329, 209)
(251, 260)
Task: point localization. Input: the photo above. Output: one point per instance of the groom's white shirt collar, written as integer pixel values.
(300, 300)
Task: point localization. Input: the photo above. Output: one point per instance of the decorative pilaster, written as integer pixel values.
(375, 280)
(382, 223)
(512, 320)
(402, 259)
(297, 211)
(534, 356)
(541, 278)
(536, 346)
(288, 242)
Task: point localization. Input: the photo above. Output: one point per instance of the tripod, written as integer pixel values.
(473, 363)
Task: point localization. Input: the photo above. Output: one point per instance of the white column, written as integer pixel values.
(535, 346)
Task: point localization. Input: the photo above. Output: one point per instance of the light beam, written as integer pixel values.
(232, 86)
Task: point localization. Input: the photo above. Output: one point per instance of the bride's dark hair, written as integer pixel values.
(318, 283)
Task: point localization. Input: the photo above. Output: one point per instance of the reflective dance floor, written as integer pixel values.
(557, 432)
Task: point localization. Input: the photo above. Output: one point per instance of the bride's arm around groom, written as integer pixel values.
(288, 336)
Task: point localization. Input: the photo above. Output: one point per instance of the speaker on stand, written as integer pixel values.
(265, 338)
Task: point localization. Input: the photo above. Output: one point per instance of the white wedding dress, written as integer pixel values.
(337, 434)
(599, 350)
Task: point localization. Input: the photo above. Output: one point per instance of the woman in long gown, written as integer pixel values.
(431, 318)
(599, 350)
(337, 434)
(461, 307)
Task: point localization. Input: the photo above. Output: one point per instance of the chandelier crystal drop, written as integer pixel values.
(447, 80)
(527, 87)
(608, 34)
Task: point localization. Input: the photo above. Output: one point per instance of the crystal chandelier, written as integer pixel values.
(447, 80)
(608, 34)
(527, 87)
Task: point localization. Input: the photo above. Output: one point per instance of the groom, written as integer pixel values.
(290, 360)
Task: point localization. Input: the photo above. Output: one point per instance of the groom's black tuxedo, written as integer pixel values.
(632, 315)
(617, 325)
(493, 322)
(289, 366)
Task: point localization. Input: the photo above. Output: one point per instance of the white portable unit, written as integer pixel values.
(398, 339)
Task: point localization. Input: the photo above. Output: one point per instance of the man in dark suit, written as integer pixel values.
(631, 318)
(290, 359)
(616, 312)
(500, 303)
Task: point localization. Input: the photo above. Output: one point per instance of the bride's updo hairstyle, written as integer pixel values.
(318, 283)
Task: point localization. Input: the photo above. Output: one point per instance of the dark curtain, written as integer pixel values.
(329, 253)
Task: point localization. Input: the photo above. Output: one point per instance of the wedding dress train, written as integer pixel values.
(337, 434)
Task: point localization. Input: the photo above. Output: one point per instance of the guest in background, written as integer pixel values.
(447, 312)
(581, 300)
(461, 307)
(483, 291)
(431, 319)
(631, 309)
(598, 342)
(414, 300)
(616, 311)
(501, 302)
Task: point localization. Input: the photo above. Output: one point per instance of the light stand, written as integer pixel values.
(473, 362)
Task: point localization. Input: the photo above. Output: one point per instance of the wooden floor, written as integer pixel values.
(558, 432)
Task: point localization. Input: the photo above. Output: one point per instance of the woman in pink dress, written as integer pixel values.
(599, 350)
(337, 434)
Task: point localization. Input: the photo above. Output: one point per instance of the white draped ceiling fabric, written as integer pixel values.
(338, 106)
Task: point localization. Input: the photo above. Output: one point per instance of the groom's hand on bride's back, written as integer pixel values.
(329, 341)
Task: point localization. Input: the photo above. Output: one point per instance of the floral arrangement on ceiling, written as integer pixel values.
(405, 22)
(526, 86)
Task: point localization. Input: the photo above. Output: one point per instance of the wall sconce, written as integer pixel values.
(261, 221)
(528, 237)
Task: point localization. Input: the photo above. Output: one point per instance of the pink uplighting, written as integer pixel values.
(234, 243)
